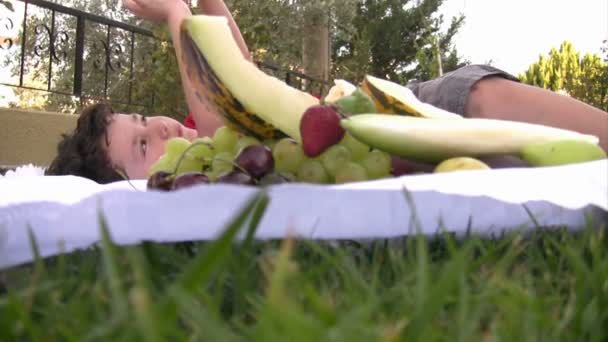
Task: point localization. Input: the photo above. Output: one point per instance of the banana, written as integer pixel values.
(248, 99)
(439, 139)
(393, 98)
(561, 152)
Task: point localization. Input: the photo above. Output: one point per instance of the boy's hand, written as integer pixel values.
(156, 10)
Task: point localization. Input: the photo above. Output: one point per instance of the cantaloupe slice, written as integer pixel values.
(249, 99)
(393, 98)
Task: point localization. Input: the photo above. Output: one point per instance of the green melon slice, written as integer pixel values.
(258, 93)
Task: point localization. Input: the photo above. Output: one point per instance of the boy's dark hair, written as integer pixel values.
(83, 152)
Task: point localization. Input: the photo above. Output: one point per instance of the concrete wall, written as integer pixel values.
(28, 136)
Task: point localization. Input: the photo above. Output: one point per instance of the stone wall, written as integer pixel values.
(28, 136)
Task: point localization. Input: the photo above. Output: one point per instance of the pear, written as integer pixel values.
(561, 152)
(460, 164)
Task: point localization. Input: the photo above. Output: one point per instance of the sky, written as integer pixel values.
(513, 33)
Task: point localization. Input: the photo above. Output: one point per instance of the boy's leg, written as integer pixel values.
(451, 91)
(497, 98)
(481, 91)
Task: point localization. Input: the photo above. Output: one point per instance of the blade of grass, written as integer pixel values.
(39, 270)
(256, 216)
(435, 296)
(204, 325)
(146, 313)
(422, 255)
(218, 251)
(109, 255)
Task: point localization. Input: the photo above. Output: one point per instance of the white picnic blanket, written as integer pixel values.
(63, 211)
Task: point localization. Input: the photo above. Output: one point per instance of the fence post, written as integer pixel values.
(78, 59)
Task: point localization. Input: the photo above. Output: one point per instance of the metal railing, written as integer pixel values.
(104, 57)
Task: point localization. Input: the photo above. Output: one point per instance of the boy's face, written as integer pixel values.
(135, 142)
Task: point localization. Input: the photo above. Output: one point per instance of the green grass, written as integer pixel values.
(546, 286)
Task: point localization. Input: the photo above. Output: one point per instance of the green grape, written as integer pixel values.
(174, 147)
(357, 149)
(377, 164)
(201, 150)
(290, 176)
(222, 163)
(334, 157)
(205, 140)
(243, 142)
(211, 175)
(350, 172)
(312, 171)
(168, 163)
(288, 155)
(224, 139)
(164, 163)
(270, 143)
(187, 165)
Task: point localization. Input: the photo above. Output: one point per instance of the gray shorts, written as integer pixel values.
(450, 91)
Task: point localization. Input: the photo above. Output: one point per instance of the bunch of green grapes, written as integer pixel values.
(226, 157)
(230, 157)
(348, 161)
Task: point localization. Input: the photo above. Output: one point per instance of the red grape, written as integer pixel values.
(400, 166)
(236, 177)
(256, 160)
(188, 179)
(160, 180)
(273, 178)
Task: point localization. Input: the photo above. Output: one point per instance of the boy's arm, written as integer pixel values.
(218, 8)
(173, 12)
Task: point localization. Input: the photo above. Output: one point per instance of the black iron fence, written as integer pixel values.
(68, 53)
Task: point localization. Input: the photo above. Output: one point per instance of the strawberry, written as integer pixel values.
(320, 128)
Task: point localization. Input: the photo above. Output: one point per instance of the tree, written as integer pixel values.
(394, 39)
(584, 78)
(152, 81)
(399, 40)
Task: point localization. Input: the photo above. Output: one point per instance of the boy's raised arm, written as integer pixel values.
(172, 12)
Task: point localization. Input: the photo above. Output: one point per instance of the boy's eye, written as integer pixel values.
(144, 146)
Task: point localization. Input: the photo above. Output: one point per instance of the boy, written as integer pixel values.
(104, 142)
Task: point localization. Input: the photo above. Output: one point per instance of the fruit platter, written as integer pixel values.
(365, 161)
(372, 130)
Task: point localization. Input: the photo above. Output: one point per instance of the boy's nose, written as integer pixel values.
(164, 131)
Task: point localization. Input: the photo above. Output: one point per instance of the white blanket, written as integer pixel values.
(63, 212)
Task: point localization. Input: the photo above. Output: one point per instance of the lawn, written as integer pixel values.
(548, 285)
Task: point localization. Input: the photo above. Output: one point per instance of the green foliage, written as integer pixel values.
(152, 80)
(398, 40)
(546, 285)
(162, 79)
(395, 39)
(582, 77)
